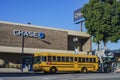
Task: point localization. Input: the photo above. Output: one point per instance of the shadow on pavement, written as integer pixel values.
(20, 74)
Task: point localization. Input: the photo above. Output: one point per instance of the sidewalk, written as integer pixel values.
(9, 70)
(117, 70)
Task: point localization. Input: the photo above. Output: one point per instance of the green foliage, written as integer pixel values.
(102, 19)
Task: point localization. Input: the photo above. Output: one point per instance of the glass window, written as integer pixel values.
(58, 59)
(63, 59)
(67, 59)
(90, 59)
(71, 59)
(94, 59)
(79, 59)
(87, 59)
(83, 59)
(36, 60)
(49, 58)
(39, 58)
(75, 58)
(43, 58)
(54, 58)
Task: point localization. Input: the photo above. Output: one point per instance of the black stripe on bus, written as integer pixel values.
(60, 66)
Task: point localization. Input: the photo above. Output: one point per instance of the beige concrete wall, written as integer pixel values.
(118, 58)
(83, 44)
(117, 55)
(87, 44)
(53, 39)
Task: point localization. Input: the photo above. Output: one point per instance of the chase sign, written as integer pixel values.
(77, 14)
(32, 34)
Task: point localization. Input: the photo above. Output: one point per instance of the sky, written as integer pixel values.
(49, 13)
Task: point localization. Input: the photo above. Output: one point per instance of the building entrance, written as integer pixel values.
(27, 62)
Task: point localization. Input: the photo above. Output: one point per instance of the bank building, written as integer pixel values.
(19, 41)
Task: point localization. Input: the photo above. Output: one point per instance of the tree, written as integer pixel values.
(102, 20)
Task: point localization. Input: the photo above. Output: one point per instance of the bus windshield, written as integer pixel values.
(37, 60)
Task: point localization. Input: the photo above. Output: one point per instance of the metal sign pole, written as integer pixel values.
(22, 52)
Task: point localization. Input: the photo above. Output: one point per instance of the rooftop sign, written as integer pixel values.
(77, 14)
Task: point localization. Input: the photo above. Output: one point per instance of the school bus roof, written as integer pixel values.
(62, 54)
(58, 51)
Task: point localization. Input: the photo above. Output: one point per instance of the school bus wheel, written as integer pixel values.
(53, 70)
(84, 70)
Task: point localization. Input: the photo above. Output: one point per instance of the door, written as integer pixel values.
(27, 62)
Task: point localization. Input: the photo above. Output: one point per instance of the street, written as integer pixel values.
(60, 76)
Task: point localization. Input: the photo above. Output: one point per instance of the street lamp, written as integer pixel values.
(75, 40)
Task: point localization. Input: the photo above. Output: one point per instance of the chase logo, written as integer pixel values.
(41, 35)
(31, 34)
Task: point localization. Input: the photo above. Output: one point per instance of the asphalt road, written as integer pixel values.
(60, 76)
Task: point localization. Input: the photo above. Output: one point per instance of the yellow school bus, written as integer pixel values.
(55, 62)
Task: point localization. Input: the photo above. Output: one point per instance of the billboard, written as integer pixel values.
(77, 14)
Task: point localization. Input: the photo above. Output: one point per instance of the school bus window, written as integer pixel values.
(75, 58)
(94, 59)
(71, 59)
(58, 59)
(90, 59)
(67, 59)
(49, 58)
(54, 58)
(63, 59)
(87, 59)
(79, 59)
(83, 59)
(40, 58)
(36, 60)
(43, 58)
